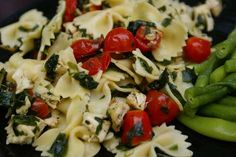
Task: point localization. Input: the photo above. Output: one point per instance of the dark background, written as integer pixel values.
(202, 146)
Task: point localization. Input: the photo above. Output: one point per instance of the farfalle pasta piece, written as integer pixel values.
(67, 87)
(54, 26)
(20, 36)
(145, 67)
(99, 22)
(126, 66)
(44, 142)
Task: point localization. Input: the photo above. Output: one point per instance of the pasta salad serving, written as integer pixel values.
(115, 74)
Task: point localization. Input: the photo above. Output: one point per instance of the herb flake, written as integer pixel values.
(59, 146)
(166, 22)
(145, 65)
(99, 127)
(50, 66)
(134, 25)
(159, 84)
(85, 80)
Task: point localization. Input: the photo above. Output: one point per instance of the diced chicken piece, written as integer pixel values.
(97, 124)
(117, 111)
(137, 100)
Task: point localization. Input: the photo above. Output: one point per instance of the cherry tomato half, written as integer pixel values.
(197, 49)
(136, 128)
(86, 47)
(40, 107)
(147, 39)
(119, 40)
(70, 10)
(93, 65)
(105, 59)
(161, 108)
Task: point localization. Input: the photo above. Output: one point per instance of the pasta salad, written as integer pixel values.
(103, 72)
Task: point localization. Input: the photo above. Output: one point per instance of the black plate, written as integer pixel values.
(202, 146)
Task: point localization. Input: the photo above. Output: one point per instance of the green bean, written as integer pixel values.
(230, 78)
(202, 81)
(190, 111)
(219, 111)
(233, 55)
(211, 127)
(230, 65)
(218, 74)
(204, 99)
(200, 68)
(228, 101)
(196, 91)
(226, 47)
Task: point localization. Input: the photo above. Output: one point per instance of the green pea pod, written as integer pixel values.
(228, 101)
(219, 111)
(212, 127)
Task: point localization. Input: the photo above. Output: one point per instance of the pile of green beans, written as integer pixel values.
(211, 102)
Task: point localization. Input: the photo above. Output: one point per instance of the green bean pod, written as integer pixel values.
(212, 127)
(228, 101)
(195, 102)
(226, 47)
(230, 65)
(219, 111)
(218, 74)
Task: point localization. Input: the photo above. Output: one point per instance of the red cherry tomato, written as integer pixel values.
(119, 40)
(197, 49)
(146, 39)
(161, 108)
(136, 128)
(40, 107)
(70, 10)
(93, 65)
(86, 47)
(105, 60)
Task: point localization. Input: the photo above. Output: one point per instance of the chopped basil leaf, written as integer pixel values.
(176, 93)
(145, 65)
(25, 29)
(3, 74)
(122, 147)
(166, 22)
(59, 146)
(51, 66)
(25, 120)
(162, 9)
(116, 93)
(85, 80)
(134, 25)
(105, 5)
(136, 131)
(84, 33)
(165, 62)
(189, 75)
(20, 98)
(7, 94)
(161, 153)
(102, 97)
(174, 147)
(201, 21)
(159, 84)
(173, 75)
(118, 24)
(99, 127)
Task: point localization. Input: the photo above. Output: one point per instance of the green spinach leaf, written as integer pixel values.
(85, 80)
(134, 25)
(166, 22)
(176, 93)
(51, 66)
(145, 65)
(159, 84)
(59, 146)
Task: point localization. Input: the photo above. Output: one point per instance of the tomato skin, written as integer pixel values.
(145, 44)
(105, 60)
(93, 65)
(40, 107)
(133, 119)
(161, 108)
(119, 40)
(197, 49)
(86, 47)
(70, 10)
